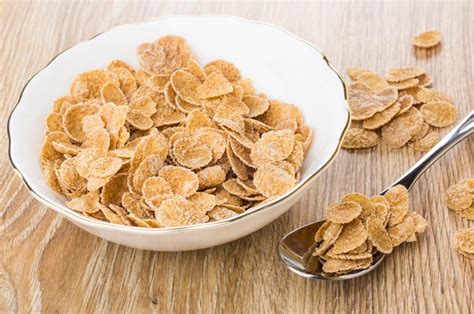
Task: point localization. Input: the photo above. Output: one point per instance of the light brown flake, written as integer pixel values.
(439, 114)
(381, 118)
(378, 235)
(145, 105)
(210, 177)
(344, 266)
(464, 242)
(343, 212)
(48, 153)
(205, 201)
(69, 177)
(426, 95)
(166, 114)
(182, 181)
(114, 189)
(400, 232)
(72, 120)
(280, 116)
(215, 85)
(61, 104)
(149, 167)
(397, 197)
(227, 69)
(221, 213)
(127, 81)
(426, 142)
(401, 129)
(54, 122)
(427, 39)
(154, 187)
(404, 73)
(104, 167)
(421, 132)
(271, 180)
(191, 153)
(139, 120)
(467, 213)
(89, 84)
(353, 235)
(365, 102)
(405, 101)
(372, 80)
(355, 72)
(177, 211)
(406, 84)
(66, 148)
(111, 92)
(364, 202)
(459, 196)
(328, 233)
(425, 80)
(85, 203)
(185, 85)
(356, 138)
(273, 146)
(257, 105)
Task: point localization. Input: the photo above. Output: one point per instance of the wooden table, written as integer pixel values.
(48, 264)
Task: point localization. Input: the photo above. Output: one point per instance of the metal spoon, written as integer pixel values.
(296, 248)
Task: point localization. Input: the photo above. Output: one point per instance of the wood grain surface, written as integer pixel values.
(49, 265)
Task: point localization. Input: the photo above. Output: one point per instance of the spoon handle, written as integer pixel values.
(460, 131)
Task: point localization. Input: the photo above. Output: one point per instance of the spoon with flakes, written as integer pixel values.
(297, 247)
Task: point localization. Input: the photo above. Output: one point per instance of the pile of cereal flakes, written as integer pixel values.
(170, 144)
(358, 227)
(400, 107)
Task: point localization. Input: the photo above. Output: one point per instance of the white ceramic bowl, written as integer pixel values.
(280, 65)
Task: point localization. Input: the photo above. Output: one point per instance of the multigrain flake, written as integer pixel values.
(342, 266)
(365, 102)
(273, 146)
(356, 138)
(427, 39)
(378, 235)
(215, 85)
(343, 212)
(439, 114)
(373, 81)
(381, 118)
(271, 180)
(464, 242)
(425, 143)
(110, 92)
(227, 69)
(397, 197)
(400, 130)
(355, 72)
(353, 235)
(396, 75)
(460, 196)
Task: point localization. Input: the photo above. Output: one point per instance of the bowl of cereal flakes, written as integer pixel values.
(179, 133)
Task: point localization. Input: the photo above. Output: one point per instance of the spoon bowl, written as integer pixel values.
(297, 247)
